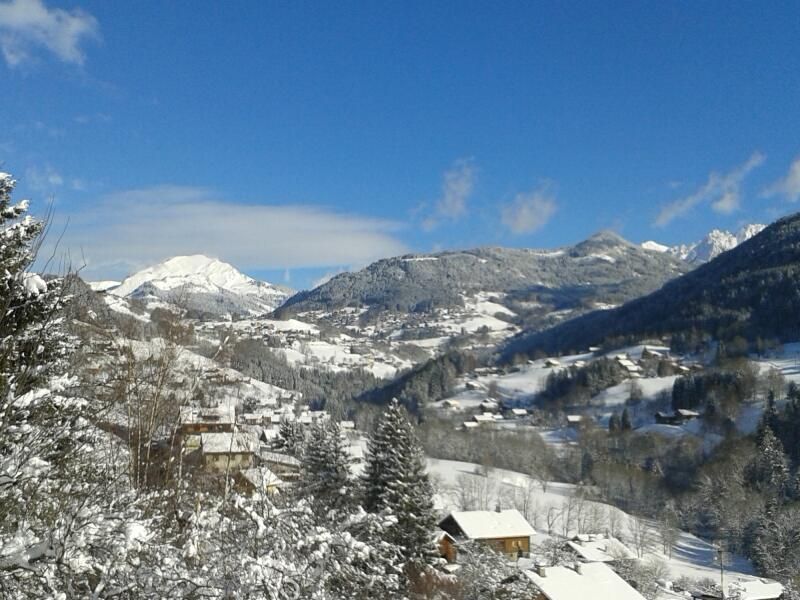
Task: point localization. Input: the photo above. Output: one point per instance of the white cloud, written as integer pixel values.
(28, 24)
(135, 228)
(457, 185)
(529, 212)
(722, 191)
(787, 187)
(43, 179)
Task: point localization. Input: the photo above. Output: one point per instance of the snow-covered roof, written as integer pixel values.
(519, 412)
(227, 443)
(595, 548)
(490, 524)
(261, 478)
(279, 459)
(757, 589)
(214, 414)
(685, 412)
(595, 580)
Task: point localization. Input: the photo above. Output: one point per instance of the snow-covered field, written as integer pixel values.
(691, 556)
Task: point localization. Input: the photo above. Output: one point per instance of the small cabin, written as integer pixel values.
(216, 419)
(227, 451)
(506, 531)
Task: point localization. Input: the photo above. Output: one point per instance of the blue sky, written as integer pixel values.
(298, 139)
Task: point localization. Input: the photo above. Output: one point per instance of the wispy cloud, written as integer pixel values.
(788, 187)
(134, 228)
(529, 212)
(722, 191)
(29, 25)
(457, 185)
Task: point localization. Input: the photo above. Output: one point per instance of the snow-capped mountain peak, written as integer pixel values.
(712, 245)
(203, 280)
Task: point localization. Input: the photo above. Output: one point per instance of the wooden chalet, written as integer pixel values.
(222, 451)
(506, 531)
(216, 419)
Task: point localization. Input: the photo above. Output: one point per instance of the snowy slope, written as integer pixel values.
(205, 284)
(712, 245)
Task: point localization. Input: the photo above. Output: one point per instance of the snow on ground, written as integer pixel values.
(120, 305)
(787, 361)
(691, 557)
(102, 286)
(619, 394)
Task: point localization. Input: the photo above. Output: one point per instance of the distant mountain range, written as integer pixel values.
(203, 284)
(712, 245)
(752, 291)
(601, 271)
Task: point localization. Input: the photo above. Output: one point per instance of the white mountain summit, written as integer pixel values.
(205, 283)
(712, 245)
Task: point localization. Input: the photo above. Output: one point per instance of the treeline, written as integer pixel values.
(577, 385)
(424, 383)
(321, 388)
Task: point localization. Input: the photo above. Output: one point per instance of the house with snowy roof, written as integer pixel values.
(195, 420)
(259, 480)
(287, 467)
(506, 531)
(598, 548)
(222, 451)
(581, 581)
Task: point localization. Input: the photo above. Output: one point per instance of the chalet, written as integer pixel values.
(506, 531)
(285, 466)
(576, 421)
(598, 548)
(551, 363)
(446, 545)
(679, 417)
(583, 580)
(217, 419)
(519, 412)
(259, 480)
(484, 419)
(752, 588)
(227, 451)
(489, 406)
(451, 404)
(467, 425)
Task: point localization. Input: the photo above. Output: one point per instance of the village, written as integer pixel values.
(572, 557)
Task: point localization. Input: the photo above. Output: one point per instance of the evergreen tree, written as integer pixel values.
(396, 482)
(625, 423)
(291, 438)
(770, 468)
(614, 424)
(326, 468)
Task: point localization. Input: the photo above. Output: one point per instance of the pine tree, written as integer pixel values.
(614, 424)
(291, 438)
(326, 468)
(396, 482)
(626, 424)
(774, 464)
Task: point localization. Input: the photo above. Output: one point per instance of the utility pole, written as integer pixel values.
(720, 553)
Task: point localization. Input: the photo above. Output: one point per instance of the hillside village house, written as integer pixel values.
(227, 451)
(506, 531)
(196, 420)
(259, 480)
(283, 465)
(595, 581)
(598, 548)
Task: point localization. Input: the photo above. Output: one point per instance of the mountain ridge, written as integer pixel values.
(204, 283)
